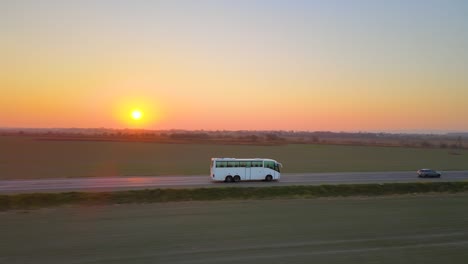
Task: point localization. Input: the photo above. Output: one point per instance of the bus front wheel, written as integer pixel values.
(268, 178)
(228, 178)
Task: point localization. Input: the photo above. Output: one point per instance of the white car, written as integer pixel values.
(423, 173)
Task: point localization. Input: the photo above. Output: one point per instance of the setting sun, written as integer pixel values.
(141, 112)
(137, 114)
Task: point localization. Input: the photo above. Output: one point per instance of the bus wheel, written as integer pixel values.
(268, 178)
(228, 178)
(237, 178)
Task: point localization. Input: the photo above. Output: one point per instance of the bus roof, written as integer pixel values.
(243, 159)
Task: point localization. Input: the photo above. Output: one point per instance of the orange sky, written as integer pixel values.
(245, 66)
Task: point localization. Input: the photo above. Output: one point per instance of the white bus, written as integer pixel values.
(235, 170)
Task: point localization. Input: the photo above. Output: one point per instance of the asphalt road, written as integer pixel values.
(148, 182)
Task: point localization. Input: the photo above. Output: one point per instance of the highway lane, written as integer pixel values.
(194, 181)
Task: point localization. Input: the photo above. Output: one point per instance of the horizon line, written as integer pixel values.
(403, 131)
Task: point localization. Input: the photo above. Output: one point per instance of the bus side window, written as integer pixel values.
(270, 165)
(230, 164)
(248, 164)
(257, 164)
(220, 164)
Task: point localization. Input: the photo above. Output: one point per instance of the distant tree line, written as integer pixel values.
(443, 141)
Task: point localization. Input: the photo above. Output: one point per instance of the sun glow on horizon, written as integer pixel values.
(137, 114)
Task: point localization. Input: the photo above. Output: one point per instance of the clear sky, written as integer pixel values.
(242, 64)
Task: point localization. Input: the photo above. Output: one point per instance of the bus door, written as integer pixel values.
(256, 172)
(248, 173)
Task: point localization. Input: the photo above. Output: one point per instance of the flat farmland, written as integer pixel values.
(27, 158)
(394, 229)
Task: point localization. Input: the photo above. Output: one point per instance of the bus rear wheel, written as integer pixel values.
(229, 178)
(237, 178)
(268, 178)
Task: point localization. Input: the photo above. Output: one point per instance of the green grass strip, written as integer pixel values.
(38, 200)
